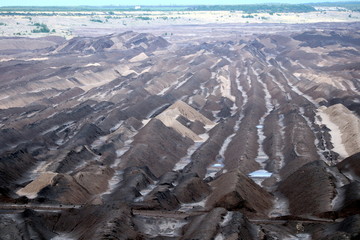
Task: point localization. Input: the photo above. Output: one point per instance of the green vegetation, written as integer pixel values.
(49, 10)
(144, 18)
(96, 20)
(257, 8)
(167, 18)
(2, 24)
(41, 28)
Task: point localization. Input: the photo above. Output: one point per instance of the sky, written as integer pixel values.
(144, 2)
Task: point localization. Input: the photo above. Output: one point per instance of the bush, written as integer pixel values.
(96, 20)
(41, 28)
(144, 18)
(256, 8)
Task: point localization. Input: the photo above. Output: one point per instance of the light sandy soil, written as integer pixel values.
(180, 108)
(335, 132)
(139, 58)
(345, 129)
(69, 26)
(322, 77)
(31, 190)
(225, 86)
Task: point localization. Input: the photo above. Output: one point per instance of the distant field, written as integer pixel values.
(249, 8)
(74, 21)
(246, 8)
(93, 8)
(354, 6)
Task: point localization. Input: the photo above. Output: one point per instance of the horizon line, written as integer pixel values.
(180, 5)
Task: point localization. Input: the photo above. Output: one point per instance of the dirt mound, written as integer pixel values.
(191, 189)
(310, 189)
(157, 147)
(315, 39)
(13, 166)
(236, 191)
(351, 166)
(85, 45)
(170, 115)
(85, 177)
(65, 189)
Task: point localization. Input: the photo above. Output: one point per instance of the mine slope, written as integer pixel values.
(130, 136)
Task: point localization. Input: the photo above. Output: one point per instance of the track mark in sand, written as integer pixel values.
(262, 156)
(187, 158)
(316, 140)
(293, 87)
(216, 167)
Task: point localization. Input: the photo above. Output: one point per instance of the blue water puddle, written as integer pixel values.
(260, 174)
(218, 165)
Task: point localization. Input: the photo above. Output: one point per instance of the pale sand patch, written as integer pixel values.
(31, 190)
(93, 65)
(6, 59)
(193, 56)
(124, 70)
(117, 45)
(225, 88)
(22, 99)
(322, 78)
(345, 128)
(168, 117)
(90, 79)
(190, 113)
(37, 59)
(324, 51)
(141, 57)
(335, 133)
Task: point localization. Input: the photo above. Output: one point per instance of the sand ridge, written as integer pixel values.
(168, 117)
(345, 128)
(31, 190)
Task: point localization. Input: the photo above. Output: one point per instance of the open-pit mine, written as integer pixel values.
(216, 131)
